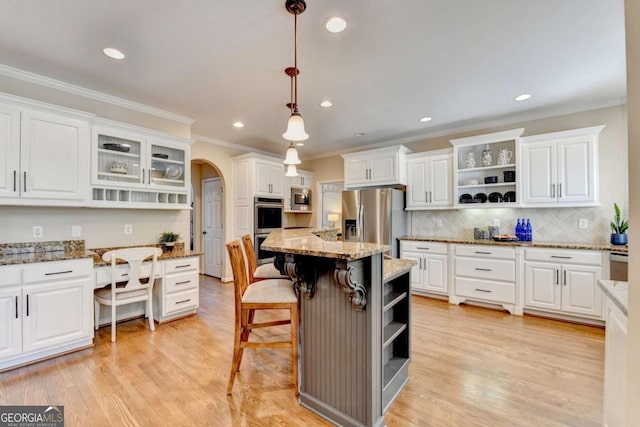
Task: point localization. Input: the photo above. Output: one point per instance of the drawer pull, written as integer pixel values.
(16, 306)
(483, 253)
(561, 257)
(426, 249)
(183, 283)
(557, 277)
(183, 266)
(58, 272)
(483, 290)
(483, 269)
(27, 305)
(183, 301)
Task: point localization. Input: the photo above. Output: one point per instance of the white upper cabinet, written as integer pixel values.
(269, 179)
(302, 181)
(486, 172)
(9, 151)
(137, 167)
(430, 180)
(384, 166)
(44, 157)
(561, 168)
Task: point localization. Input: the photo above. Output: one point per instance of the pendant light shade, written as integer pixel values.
(295, 128)
(291, 171)
(292, 156)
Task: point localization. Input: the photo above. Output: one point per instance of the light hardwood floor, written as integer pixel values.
(470, 367)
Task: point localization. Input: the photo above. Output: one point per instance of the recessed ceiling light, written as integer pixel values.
(522, 97)
(112, 52)
(336, 25)
(425, 119)
(359, 134)
(326, 104)
(238, 125)
(300, 144)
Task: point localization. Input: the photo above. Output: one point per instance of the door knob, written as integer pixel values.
(204, 232)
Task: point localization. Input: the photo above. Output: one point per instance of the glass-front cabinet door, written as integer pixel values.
(118, 158)
(167, 166)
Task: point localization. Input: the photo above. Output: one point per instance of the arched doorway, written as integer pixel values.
(208, 215)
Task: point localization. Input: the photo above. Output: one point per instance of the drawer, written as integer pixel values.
(180, 301)
(563, 256)
(57, 270)
(427, 247)
(11, 275)
(489, 269)
(180, 282)
(485, 251)
(488, 291)
(103, 274)
(180, 265)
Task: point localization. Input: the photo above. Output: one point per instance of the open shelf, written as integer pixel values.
(391, 331)
(499, 184)
(119, 176)
(486, 168)
(392, 299)
(392, 367)
(118, 153)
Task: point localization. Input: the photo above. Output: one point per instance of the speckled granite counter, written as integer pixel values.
(27, 253)
(305, 242)
(559, 245)
(394, 267)
(33, 252)
(178, 252)
(616, 291)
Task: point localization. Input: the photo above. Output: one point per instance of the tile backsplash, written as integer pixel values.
(549, 224)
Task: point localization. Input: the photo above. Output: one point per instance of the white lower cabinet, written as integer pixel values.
(46, 309)
(177, 293)
(487, 274)
(563, 281)
(430, 274)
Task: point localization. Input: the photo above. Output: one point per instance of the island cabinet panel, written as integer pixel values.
(338, 367)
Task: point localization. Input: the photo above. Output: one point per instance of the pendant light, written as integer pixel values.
(291, 171)
(295, 126)
(291, 157)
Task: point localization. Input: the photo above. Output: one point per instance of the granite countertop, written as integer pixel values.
(305, 242)
(177, 252)
(617, 291)
(535, 244)
(33, 252)
(394, 267)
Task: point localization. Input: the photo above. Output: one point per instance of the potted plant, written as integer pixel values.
(619, 228)
(169, 239)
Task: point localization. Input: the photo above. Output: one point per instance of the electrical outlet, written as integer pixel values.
(128, 229)
(76, 231)
(583, 223)
(496, 222)
(37, 231)
(438, 223)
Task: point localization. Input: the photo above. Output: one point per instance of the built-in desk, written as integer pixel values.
(354, 331)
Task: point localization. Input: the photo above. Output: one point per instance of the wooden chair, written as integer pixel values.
(258, 273)
(133, 290)
(271, 294)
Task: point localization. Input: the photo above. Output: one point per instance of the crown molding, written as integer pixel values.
(38, 79)
(472, 125)
(231, 145)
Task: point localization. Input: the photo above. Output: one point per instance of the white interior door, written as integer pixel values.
(212, 226)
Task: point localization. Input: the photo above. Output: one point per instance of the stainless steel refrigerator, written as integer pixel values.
(374, 215)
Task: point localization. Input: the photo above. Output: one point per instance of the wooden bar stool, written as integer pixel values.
(257, 273)
(268, 294)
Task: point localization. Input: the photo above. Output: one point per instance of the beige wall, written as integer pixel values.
(100, 227)
(326, 169)
(633, 97)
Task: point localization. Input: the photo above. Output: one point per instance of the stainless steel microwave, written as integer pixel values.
(300, 199)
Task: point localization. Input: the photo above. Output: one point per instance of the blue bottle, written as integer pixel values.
(519, 230)
(529, 231)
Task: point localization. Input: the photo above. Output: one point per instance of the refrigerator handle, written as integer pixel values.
(361, 224)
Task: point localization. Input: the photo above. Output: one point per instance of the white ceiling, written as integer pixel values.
(218, 61)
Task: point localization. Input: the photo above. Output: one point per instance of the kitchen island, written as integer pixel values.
(354, 332)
